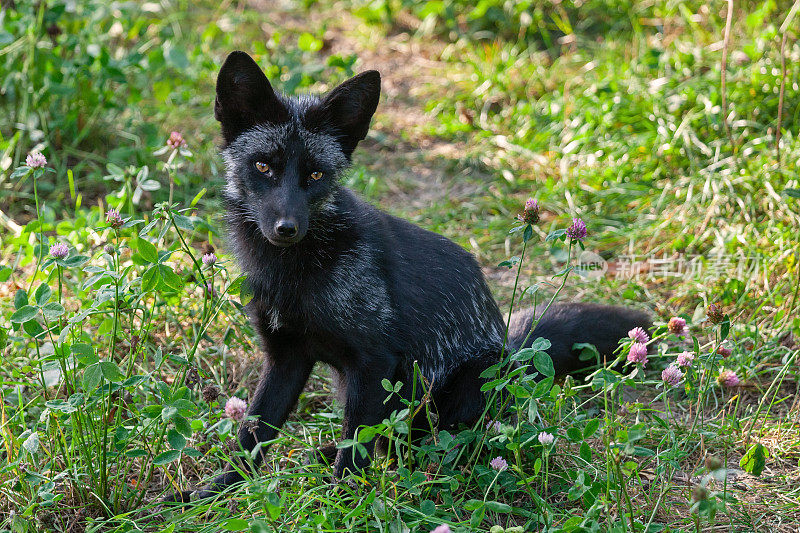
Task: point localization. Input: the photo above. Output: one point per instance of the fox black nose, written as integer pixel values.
(286, 228)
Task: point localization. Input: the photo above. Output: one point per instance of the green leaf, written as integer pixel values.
(23, 314)
(257, 526)
(61, 405)
(71, 181)
(586, 453)
(84, 353)
(527, 234)
(428, 507)
(73, 261)
(641, 451)
(136, 452)
(92, 376)
(518, 391)
(166, 457)
(21, 170)
(274, 505)
(53, 310)
(176, 440)
(543, 388)
(724, 328)
(755, 460)
(477, 517)
(792, 193)
(129, 223)
(152, 411)
(588, 351)
(524, 355)
(147, 250)
(5, 273)
(32, 443)
(605, 379)
(182, 425)
(540, 344)
(544, 364)
(191, 452)
(574, 434)
(20, 298)
(169, 413)
(246, 292)
(236, 285)
(555, 235)
(69, 406)
(497, 384)
(170, 280)
(184, 223)
(94, 279)
(197, 197)
(150, 279)
(472, 505)
(591, 427)
(498, 507)
(34, 329)
(111, 371)
(42, 294)
(366, 434)
(235, 524)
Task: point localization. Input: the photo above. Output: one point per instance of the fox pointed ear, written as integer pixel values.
(348, 109)
(245, 97)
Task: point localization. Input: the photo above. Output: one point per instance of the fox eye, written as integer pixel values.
(262, 167)
(316, 175)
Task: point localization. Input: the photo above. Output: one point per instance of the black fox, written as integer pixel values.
(338, 281)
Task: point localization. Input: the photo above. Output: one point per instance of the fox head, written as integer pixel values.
(284, 155)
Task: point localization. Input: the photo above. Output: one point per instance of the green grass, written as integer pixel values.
(611, 111)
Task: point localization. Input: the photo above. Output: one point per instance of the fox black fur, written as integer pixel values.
(337, 281)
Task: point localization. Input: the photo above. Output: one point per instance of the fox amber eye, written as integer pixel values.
(262, 167)
(316, 175)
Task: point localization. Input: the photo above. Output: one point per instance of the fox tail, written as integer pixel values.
(567, 324)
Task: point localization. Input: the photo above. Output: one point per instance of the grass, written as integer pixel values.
(611, 111)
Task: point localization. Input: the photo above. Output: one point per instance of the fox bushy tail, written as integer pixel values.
(567, 324)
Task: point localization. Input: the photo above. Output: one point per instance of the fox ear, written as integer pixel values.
(348, 109)
(245, 97)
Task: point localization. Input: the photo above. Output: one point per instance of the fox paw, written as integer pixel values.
(324, 455)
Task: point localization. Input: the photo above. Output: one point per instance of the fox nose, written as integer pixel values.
(286, 228)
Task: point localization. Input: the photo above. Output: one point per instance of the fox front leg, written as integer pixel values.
(282, 379)
(364, 406)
